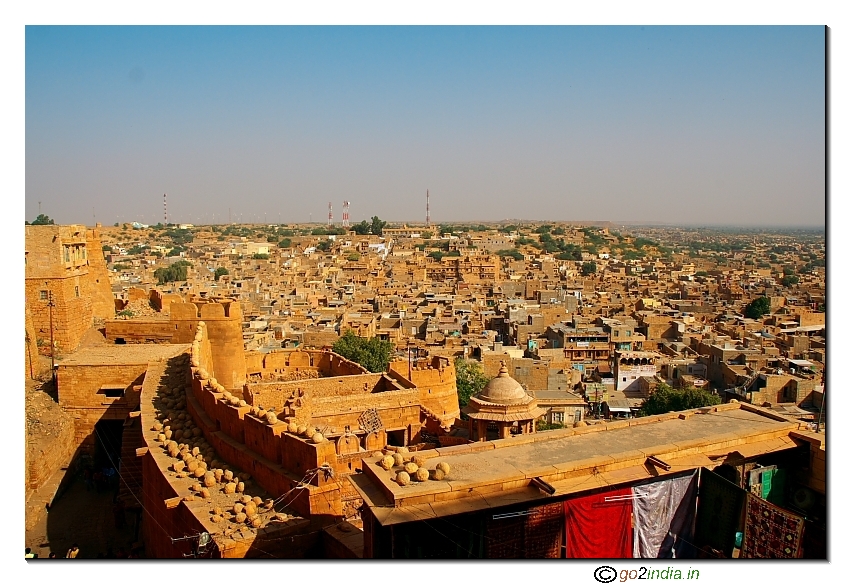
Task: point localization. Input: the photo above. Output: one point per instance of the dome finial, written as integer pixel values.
(503, 369)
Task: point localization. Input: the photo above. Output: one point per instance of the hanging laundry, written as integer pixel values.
(544, 531)
(771, 532)
(665, 513)
(599, 529)
(718, 513)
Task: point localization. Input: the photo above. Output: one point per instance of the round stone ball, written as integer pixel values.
(244, 499)
(418, 460)
(240, 518)
(421, 475)
(302, 429)
(386, 462)
(310, 431)
(403, 450)
(318, 437)
(402, 478)
(410, 468)
(233, 401)
(205, 494)
(256, 522)
(271, 418)
(196, 431)
(178, 466)
(192, 466)
(215, 518)
(257, 501)
(199, 472)
(229, 488)
(204, 374)
(228, 475)
(209, 479)
(292, 427)
(242, 403)
(398, 459)
(444, 467)
(438, 474)
(238, 507)
(240, 487)
(178, 434)
(196, 451)
(217, 510)
(250, 509)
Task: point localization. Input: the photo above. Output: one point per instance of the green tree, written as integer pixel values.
(372, 353)
(378, 226)
(757, 308)
(353, 256)
(588, 267)
(513, 253)
(665, 399)
(219, 271)
(470, 379)
(437, 255)
(285, 243)
(107, 248)
(789, 280)
(260, 256)
(174, 272)
(42, 220)
(362, 228)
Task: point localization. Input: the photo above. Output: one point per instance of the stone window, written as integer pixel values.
(42, 295)
(76, 291)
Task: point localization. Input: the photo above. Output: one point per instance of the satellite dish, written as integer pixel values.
(203, 540)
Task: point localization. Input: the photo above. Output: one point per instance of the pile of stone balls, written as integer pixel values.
(411, 468)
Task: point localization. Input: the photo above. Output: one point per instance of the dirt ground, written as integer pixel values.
(85, 518)
(45, 419)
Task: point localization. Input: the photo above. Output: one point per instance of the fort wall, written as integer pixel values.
(224, 330)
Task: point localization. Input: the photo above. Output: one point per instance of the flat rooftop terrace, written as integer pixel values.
(119, 354)
(498, 473)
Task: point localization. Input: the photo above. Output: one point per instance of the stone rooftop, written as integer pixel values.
(498, 472)
(123, 354)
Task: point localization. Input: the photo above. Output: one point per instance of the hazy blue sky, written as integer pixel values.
(709, 125)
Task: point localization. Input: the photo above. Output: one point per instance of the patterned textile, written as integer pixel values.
(598, 528)
(664, 513)
(771, 532)
(504, 538)
(537, 535)
(718, 513)
(543, 532)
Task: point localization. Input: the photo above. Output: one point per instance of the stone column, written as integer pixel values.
(482, 430)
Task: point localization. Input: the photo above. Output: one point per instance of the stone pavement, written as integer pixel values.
(82, 517)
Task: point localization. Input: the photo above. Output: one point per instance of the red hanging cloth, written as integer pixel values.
(597, 529)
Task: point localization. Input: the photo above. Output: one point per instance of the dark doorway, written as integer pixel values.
(120, 341)
(396, 438)
(107, 443)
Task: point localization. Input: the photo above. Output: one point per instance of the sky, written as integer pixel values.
(678, 125)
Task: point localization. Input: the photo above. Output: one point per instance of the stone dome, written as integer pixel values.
(503, 388)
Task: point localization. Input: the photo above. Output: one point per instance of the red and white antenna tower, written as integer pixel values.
(427, 209)
(165, 207)
(345, 205)
(330, 215)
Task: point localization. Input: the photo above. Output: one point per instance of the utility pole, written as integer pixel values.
(50, 305)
